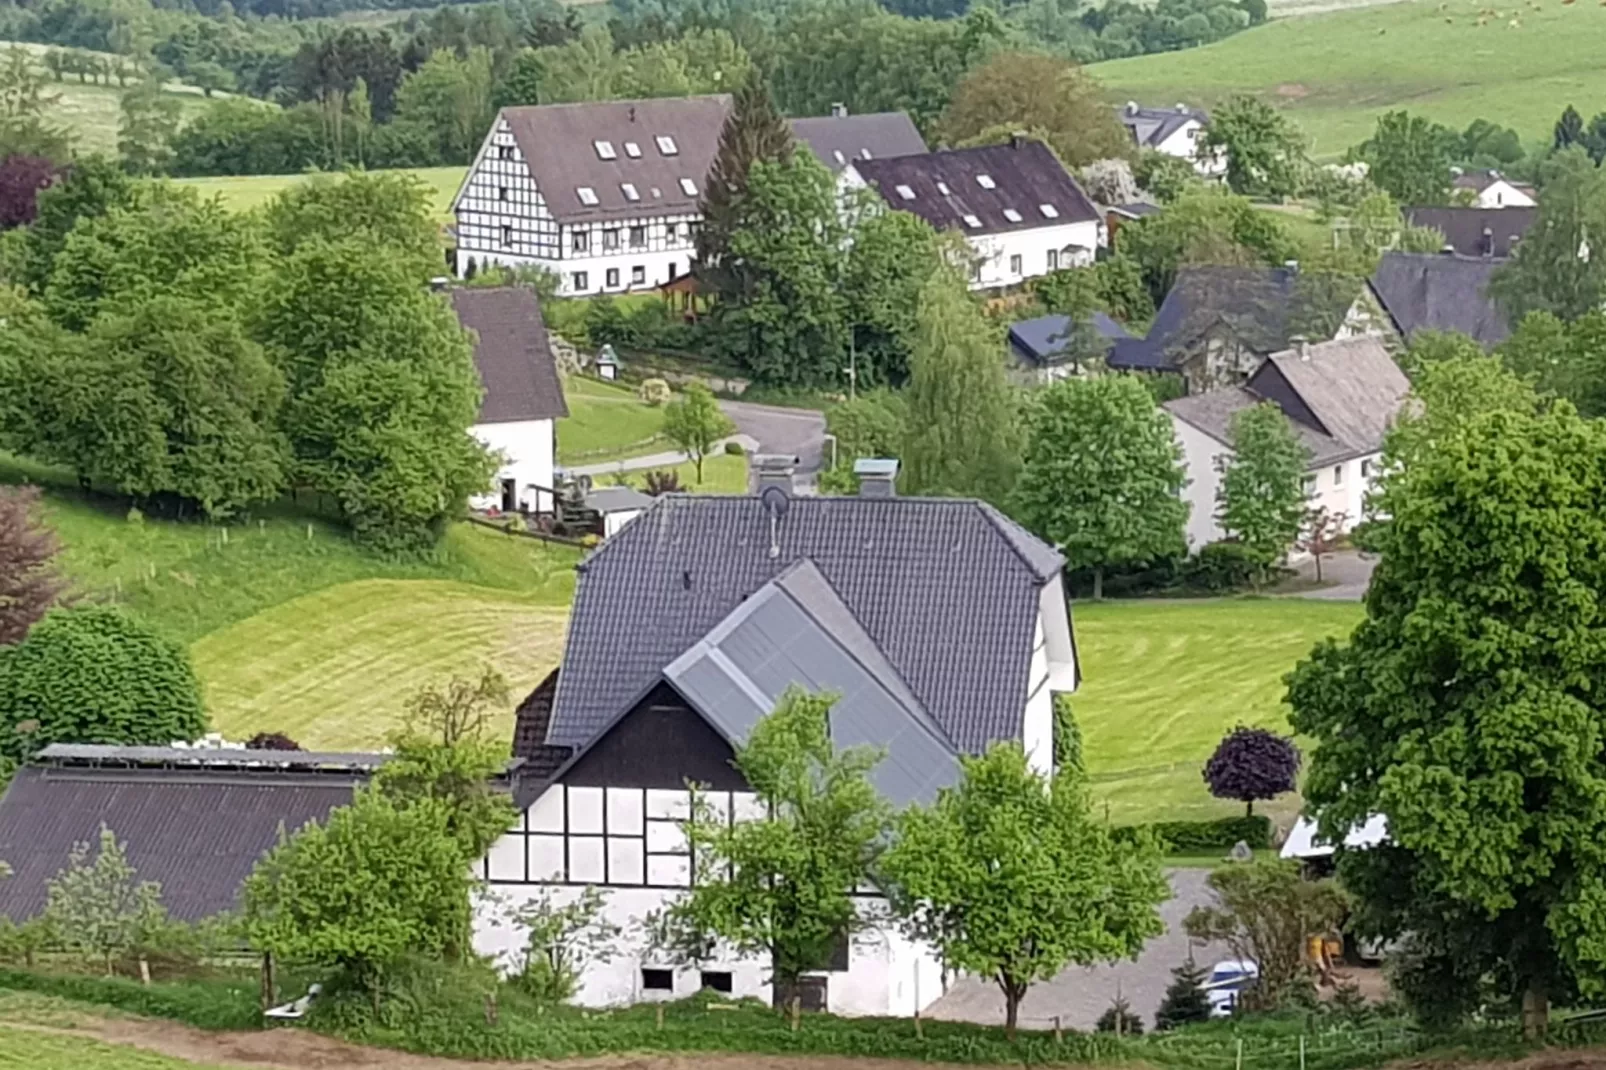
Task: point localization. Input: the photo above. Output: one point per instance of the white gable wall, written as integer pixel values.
(1502, 194)
(1184, 144)
(526, 451)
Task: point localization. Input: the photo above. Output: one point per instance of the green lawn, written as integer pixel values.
(722, 474)
(244, 192)
(606, 422)
(24, 1050)
(1334, 73)
(1165, 680)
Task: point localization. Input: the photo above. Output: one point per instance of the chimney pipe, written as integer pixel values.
(1301, 346)
(775, 470)
(1131, 107)
(1486, 242)
(1017, 138)
(878, 476)
(1292, 266)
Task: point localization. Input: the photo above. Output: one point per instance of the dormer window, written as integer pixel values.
(629, 191)
(906, 193)
(605, 150)
(986, 182)
(688, 187)
(632, 150)
(666, 145)
(1049, 211)
(587, 195)
(1012, 215)
(972, 222)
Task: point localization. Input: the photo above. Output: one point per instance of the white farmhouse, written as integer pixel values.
(1491, 189)
(1340, 397)
(1174, 131)
(523, 394)
(941, 625)
(1016, 205)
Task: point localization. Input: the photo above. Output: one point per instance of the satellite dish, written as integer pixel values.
(776, 501)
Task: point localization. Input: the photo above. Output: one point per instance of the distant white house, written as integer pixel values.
(1016, 205)
(1491, 189)
(1340, 397)
(523, 394)
(1174, 131)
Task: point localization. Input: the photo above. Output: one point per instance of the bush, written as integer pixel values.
(1221, 567)
(654, 392)
(96, 675)
(661, 481)
(1119, 1015)
(734, 449)
(271, 741)
(1220, 834)
(205, 1004)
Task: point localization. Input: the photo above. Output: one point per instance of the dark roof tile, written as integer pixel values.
(1025, 176)
(841, 139)
(511, 353)
(1440, 292)
(1476, 231)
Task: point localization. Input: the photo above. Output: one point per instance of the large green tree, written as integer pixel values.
(1261, 499)
(753, 132)
(1102, 475)
(388, 210)
(1558, 267)
(887, 264)
(1205, 225)
(1013, 877)
(1465, 706)
(694, 422)
(963, 426)
(1047, 96)
(1410, 158)
(1567, 360)
(92, 187)
(1265, 151)
(145, 129)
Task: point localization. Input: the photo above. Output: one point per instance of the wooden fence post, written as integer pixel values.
(1059, 1037)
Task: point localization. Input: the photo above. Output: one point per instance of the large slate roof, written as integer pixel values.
(1476, 231)
(1150, 127)
(947, 590)
(1044, 340)
(841, 139)
(1441, 292)
(1025, 176)
(511, 353)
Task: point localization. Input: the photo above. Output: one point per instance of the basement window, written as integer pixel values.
(718, 980)
(657, 980)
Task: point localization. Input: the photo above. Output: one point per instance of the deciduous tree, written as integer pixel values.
(1039, 94)
(30, 582)
(887, 264)
(145, 130)
(97, 907)
(383, 210)
(1410, 158)
(1102, 475)
(26, 110)
(91, 187)
(1261, 499)
(1010, 876)
(694, 422)
(1252, 763)
(753, 132)
(22, 179)
(1558, 268)
(1265, 152)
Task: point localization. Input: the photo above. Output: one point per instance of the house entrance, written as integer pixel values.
(510, 496)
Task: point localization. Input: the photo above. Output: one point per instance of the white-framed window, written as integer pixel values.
(1366, 469)
(986, 182)
(1012, 215)
(1338, 475)
(688, 187)
(972, 222)
(638, 275)
(1015, 264)
(638, 237)
(629, 190)
(611, 279)
(942, 188)
(1049, 211)
(632, 150)
(582, 241)
(1053, 260)
(906, 193)
(587, 195)
(666, 145)
(1308, 485)
(605, 150)
(507, 234)
(582, 281)
(610, 239)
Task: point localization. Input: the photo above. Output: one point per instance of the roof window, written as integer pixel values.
(666, 145)
(587, 195)
(1049, 211)
(864, 154)
(1012, 215)
(972, 222)
(906, 193)
(986, 182)
(629, 191)
(688, 187)
(632, 150)
(942, 188)
(841, 160)
(605, 150)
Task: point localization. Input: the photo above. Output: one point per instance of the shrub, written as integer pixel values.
(96, 675)
(1220, 567)
(1220, 834)
(271, 741)
(1185, 999)
(662, 481)
(1067, 736)
(734, 449)
(654, 392)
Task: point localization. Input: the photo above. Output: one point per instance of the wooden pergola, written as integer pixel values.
(684, 294)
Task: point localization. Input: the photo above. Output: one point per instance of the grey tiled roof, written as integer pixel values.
(1150, 127)
(946, 589)
(511, 353)
(1441, 292)
(1476, 231)
(1043, 340)
(840, 139)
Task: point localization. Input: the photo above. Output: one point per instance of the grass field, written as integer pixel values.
(244, 192)
(606, 422)
(1334, 73)
(1165, 680)
(25, 1050)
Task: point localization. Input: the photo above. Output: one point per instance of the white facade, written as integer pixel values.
(1502, 194)
(1184, 143)
(629, 843)
(524, 476)
(503, 218)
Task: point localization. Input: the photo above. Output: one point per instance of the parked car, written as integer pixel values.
(1227, 981)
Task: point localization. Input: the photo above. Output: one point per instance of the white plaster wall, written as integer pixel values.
(1054, 618)
(1503, 194)
(1184, 143)
(1341, 488)
(613, 522)
(1199, 455)
(526, 448)
(1037, 726)
(656, 265)
(1033, 245)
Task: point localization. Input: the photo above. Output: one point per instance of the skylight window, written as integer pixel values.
(587, 195)
(864, 154)
(632, 150)
(666, 145)
(986, 182)
(1049, 211)
(629, 191)
(605, 150)
(688, 187)
(972, 222)
(942, 188)
(906, 193)
(1012, 215)
(841, 160)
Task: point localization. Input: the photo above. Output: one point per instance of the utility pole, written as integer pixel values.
(853, 369)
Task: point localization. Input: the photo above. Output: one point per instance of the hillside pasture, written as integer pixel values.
(243, 192)
(1514, 62)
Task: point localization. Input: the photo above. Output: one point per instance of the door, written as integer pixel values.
(510, 496)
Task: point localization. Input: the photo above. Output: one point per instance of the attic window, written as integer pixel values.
(906, 193)
(841, 160)
(666, 145)
(629, 191)
(632, 150)
(986, 182)
(605, 150)
(942, 188)
(864, 154)
(688, 187)
(1012, 215)
(972, 222)
(587, 195)
(1049, 211)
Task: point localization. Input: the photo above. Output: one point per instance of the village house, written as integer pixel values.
(1174, 131)
(1439, 292)
(1017, 206)
(1048, 348)
(523, 395)
(1340, 397)
(691, 623)
(1486, 232)
(1491, 189)
(607, 195)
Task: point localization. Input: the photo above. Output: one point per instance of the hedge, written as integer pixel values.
(1221, 833)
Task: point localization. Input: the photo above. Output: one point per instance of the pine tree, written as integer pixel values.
(1185, 1000)
(753, 131)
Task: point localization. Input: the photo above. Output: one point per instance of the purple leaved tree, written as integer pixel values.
(1250, 764)
(21, 179)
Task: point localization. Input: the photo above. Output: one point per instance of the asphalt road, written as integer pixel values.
(1348, 571)
(1081, 994)
(800, 432)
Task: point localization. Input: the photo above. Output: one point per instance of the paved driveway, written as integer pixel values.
(800, 432)
(1080, 995)
(1349, 572)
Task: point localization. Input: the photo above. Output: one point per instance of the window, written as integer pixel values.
(1366, 469)
(864, 154)
(1053, 260)
(638, 275)
(611, 280)
(972, 222)
(975, 271)
(1014, 264)
(501, 193)
(1338, 475)
(906, 193)
(629, 191)
(507, 233)
(587, 195)
(657, 980)
(1049, 211)
(986, 182)
(1308, 485)
(605, 150)
(610, 239)
(582, 241)
(841, 160)
(504, 152)
(632, 150)
(582, 281)
(942, 188)
(666, 145)
(638, 237)
(1012, 215)
(718, 980)
(671, 269)
(688, 187)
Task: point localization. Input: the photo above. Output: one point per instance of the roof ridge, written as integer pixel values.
(1008, 529)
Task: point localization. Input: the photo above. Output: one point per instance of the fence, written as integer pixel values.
(1337, 1048)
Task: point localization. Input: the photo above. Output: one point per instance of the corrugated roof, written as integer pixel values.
(841, 139)
(511, 353)
(1476, 231)
(1024, 176)
(1441, 292)
(946, 589)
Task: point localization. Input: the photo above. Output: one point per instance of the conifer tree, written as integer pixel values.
(1185, 1000)
(753, 131)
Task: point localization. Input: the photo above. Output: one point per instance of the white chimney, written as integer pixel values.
(1131, 107)
(775, 470)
